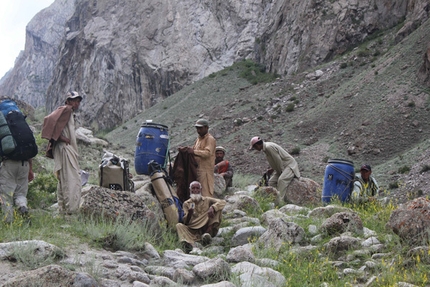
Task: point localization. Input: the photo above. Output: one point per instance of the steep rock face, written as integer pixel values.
(424, 72)
(126, 56)
(33, 70)
(302, 34)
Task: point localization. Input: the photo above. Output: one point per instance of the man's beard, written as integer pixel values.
(196, 197)
(218, 160)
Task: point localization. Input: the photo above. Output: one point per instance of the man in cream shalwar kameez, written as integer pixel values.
(59, 128)
(204, 153)
(202, 218)
(284, 166)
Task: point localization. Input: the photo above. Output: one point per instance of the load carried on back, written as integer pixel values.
(17, 141)
(114, 173)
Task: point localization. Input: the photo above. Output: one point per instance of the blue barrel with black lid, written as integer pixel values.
(338, 180)
(152, 144)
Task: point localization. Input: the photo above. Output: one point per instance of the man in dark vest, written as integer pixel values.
(223, 167)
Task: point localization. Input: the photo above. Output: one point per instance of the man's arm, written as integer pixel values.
(229, 172)
(216, 204)
(188, 212)
(355, 195)
(375, 189)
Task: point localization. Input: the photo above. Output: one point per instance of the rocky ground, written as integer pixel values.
(355, 251)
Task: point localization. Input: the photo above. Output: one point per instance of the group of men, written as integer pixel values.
(202, 211)
(59, 129)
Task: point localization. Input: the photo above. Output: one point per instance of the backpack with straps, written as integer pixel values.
(16, 137)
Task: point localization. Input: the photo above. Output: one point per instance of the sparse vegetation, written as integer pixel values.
(404, 169)
(295, 151)
(290, 107)
(42, 191)
(393, 185)
(254, 73)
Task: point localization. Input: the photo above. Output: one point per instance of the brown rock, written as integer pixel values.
(411, 221)
(303, 191)
(342, 222)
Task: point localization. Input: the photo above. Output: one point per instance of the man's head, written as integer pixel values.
(73, 99)
(256, 143)
(196, 191)
(219, 154)
(365, 172)
(202, 127)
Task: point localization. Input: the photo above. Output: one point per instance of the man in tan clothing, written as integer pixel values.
(59, 129)
(204, 152)
(202, 218)
(284, 166)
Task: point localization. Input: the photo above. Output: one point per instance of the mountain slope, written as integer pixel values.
(366, 106)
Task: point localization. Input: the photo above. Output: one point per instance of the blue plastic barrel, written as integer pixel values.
(338, 180)
(151, 144)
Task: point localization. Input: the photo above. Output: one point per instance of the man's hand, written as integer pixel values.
(190, 150)
(211, 212)
(64, 139)
(189, 214)
(182, 148)
(187, 149)
(30, 176)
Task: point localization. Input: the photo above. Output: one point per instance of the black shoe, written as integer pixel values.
(206, 239)
(187, 247)
(23, 210)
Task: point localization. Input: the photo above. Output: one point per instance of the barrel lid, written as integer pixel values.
(148, 124)
(337, 160)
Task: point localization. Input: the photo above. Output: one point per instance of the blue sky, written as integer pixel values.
(14, 17)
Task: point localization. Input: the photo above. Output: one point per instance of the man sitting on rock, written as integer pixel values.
(202, 218)
(365, 186)
(223, 167)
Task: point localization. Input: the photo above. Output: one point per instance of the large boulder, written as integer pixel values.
(342, 222)
(115, 203)
(220, 187)
(303, 191)
(51, 276)
(279, 232)
(411, 221)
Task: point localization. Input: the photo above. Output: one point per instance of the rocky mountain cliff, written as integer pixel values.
(125, 57)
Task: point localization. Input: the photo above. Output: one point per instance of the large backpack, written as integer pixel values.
(17, 133)
(114, 173)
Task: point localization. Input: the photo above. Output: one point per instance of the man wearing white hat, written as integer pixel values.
(284, 166)
(59, 129)
(223, 167)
